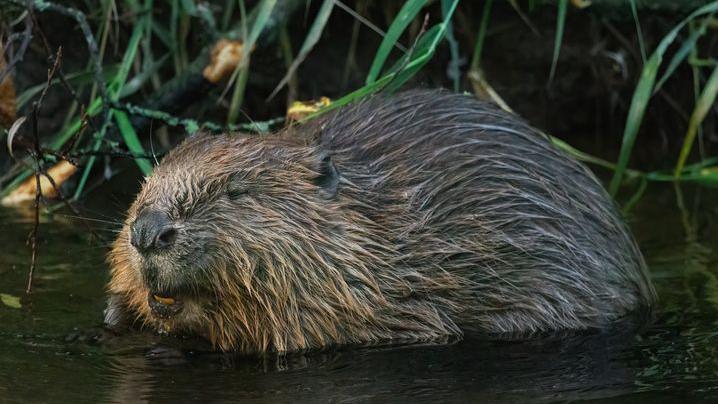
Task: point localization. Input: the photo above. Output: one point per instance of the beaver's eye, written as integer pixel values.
(235, 192)
(237, 186)
(237, 189)
(181, 205)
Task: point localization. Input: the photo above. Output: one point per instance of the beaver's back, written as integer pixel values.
(478, 193)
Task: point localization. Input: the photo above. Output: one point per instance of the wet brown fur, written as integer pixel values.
(448, 216)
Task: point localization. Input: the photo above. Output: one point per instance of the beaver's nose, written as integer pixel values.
(152, 230)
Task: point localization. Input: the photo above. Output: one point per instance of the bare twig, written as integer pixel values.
(39, 170)
(191, 125)
(410, 53)
(60, 72)
(367, 23)
(20, 54)
(93, 50)
(33, 235)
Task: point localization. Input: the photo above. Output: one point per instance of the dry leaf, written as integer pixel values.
(581, 3)
(301, 109)
(11, 133)
(25, 193)
(224, 58)
(484, 91)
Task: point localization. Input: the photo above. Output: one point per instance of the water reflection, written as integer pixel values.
(567, 368)
(51, 349)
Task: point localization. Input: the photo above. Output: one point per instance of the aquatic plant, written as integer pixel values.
(170, 44)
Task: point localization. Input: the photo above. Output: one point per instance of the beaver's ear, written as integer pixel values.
(328, 176)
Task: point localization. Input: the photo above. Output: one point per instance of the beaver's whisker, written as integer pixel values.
(89, 219)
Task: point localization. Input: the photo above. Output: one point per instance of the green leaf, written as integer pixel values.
(454, 71)
(639, 31)
(422, 53)
(10, 301)
(402, 20)
(481, 36)
(127, 59)
(639, 102)
(241, 73)
(688, 45)
(189, 6)
(136, 83)
(705, 102)
(558, 39)
(115, 89)
(265, 11)
(76, 78)
(132, 141)
(580, 155)
(401, 72)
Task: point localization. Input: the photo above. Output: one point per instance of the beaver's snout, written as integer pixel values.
(152, 231)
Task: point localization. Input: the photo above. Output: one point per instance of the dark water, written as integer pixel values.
(52, 350)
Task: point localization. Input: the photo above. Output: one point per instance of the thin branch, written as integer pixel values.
(60, 72)
(37, 157)
(93, 50)
(18, 56)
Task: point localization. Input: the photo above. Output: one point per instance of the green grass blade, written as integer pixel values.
(401, 72)
(639, 102)
(70, 130)
(265, 11)
(707, 176)
(163, 34)
(189, 7)
(639, 31)
(580, 155)
(132, 141)
(115, 89)
(315, 32)
(481, 36)
(636, 196)
(174, 35)
(99, 136)
(138, 81)
(227, 13)
(402, 20)
(643, 92)
(688, 45)
(454, 71)
(424, 50)
(558, 39)
(241, 74)
(703, 106)
(127, 60)
(240, 85)
(76, 78)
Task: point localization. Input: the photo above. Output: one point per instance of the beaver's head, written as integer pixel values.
(216, 231)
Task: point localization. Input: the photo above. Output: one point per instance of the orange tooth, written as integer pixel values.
(167, 301)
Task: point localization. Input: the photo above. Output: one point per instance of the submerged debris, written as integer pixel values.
(10, 301)
(25, 193)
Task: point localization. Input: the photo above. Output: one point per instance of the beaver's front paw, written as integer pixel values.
(116, 318)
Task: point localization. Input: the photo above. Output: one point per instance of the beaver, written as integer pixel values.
(414, 217)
